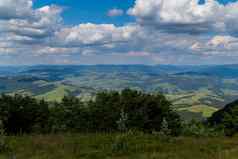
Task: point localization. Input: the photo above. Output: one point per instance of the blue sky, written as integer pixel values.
(94, 11)
(118, 32)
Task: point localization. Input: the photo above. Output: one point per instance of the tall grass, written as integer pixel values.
(120, 146)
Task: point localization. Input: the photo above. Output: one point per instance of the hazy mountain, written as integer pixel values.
(192, 89)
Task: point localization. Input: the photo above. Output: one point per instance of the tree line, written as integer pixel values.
(109, 111)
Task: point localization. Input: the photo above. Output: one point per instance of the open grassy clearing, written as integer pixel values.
(206, 111)
(118, 146)
(57, 94)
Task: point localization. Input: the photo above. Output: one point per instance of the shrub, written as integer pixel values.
(4, 148)
(122, 122)
(200, 129)
(165, 128)
(120, 143)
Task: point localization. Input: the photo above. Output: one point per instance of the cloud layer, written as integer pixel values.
(186, 15)
(166, 32)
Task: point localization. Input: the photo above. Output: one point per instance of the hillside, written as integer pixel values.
(196, 91)
(226, 118)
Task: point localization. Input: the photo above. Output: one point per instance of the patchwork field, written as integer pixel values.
(196, 91)
(206, 111)
(57, 94)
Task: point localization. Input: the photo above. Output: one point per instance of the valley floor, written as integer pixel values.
(118, 146)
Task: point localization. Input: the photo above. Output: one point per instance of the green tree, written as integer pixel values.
(69, 115)
(21, 114)
(226, 118)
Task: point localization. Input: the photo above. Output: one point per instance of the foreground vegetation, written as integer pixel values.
(108, 112)
(119, 146)
(126, 124)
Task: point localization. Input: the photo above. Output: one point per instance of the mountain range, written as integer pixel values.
(195, 91)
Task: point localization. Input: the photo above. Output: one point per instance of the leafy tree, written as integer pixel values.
(69, 115)
(20, 114)
(226, 118)
(105, 111)
(146, 112)
(143, 111)
(109, 111)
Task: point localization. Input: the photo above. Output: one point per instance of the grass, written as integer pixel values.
(57, 94)
(118, 146)
(206, 111)
(200, 101)
(193, 98)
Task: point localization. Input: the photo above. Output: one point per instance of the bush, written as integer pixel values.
(4, 148)
(120, 144)
(122, 122)
(200, 129)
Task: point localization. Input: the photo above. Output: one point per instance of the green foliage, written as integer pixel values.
(4, 145)
(120, 143)
(104, 111)
(119, 146)
(2, 138)
(226, 118)
(165, 128)
(69, 115)
(122, 122)
(22, 114)
(131, 109)
(199, 129)
(110, 111)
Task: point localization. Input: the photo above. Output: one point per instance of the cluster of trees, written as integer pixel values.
(226, 119)
(110, 111)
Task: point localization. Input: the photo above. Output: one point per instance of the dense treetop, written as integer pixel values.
(110, 111)
(226, 118)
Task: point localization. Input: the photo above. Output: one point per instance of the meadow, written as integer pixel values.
(118, 146)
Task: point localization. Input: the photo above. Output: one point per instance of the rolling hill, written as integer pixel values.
(194, 90)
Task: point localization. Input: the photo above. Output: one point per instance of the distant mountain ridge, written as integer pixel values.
(195, 89)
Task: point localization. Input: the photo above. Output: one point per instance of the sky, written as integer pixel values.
(150, 32)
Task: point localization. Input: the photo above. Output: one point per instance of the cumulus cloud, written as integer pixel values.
(115, 12)
(95, 34)
(184, 32)
(42, 32)
(15, 9)
(186, 16)
(218, 45)
(20, 32)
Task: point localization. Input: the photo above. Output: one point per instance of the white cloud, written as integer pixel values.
(15, 9)
(186, 16)
(167, 11)
(40, 33)
(95, 34)
(218, 45)
(138, 54)
(222, 41)
(115, 12)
